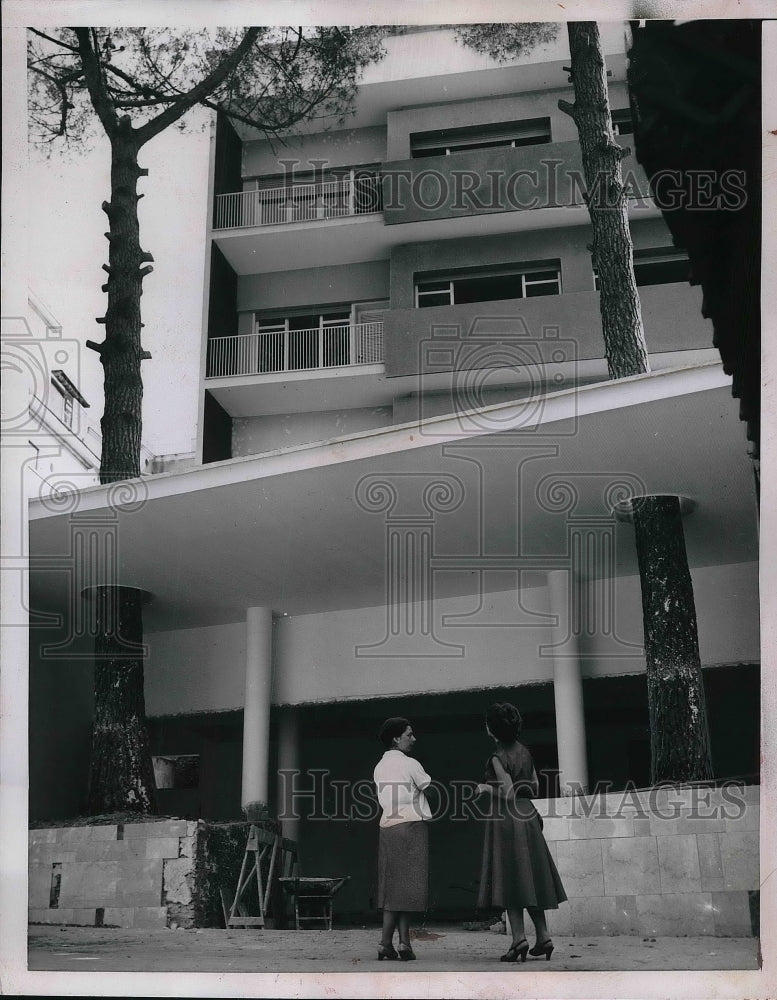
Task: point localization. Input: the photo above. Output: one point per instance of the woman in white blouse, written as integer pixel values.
(403, 847)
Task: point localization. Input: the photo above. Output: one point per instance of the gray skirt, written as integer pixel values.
(403, 867)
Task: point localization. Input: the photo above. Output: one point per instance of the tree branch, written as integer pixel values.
(200, 91)
(97, 92)
(56, 41)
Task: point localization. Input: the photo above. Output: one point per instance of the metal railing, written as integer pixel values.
(295, 350)
(353, 195)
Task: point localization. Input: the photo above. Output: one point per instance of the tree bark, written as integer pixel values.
(606, 198)
(679, 737)
(121, 775)
(121, 352)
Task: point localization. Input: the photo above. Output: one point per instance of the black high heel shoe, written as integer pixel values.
(516, 951)
(546, 949)
(388, 952)
(406, 953)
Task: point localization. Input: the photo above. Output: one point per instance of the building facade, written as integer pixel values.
(413, 474)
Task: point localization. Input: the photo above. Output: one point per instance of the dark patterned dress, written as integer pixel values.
(517, 869)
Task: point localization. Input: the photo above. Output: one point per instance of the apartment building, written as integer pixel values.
(415, 467)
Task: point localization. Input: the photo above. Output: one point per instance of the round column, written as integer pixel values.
(567, 689)
(256, 711)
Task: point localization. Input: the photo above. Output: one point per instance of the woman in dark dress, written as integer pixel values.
(517, 869)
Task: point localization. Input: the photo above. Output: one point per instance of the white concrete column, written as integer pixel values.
(256, 712)
(567, 687)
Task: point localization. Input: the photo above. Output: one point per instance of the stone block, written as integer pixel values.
(626, 916)
(162, 847)
(684, 914)
(75, 834)
(119, 916)
(88, 880)
(47, 836)
(594, 828)
(746, 820)
(85, 916)
(560, 921)
(695, 823)
(107, 832)
(150, 916)
(739, 854)
(580, 866)
(556, 828)
(630, 866)
(39, 887)
(186, 846)
(142, 898)
(560, 807)
(175, 883)
(668, 799)
(101, 850)
(732, 914)
(628, 804)
(594, 915)
(665, 825)
(164, 828)
(47, 854)
(710, 862)
(47, 916)
(642, 826)
(678, 861)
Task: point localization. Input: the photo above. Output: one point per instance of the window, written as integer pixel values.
(621, 122)
(512, 281)
(303, 341)
(658, 266)
(444, 141)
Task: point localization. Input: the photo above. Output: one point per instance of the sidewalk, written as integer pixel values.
(442, 949)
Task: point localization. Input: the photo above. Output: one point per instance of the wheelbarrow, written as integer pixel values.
(313, 894)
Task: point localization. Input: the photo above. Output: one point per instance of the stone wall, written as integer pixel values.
(666, 861)
(124, 875)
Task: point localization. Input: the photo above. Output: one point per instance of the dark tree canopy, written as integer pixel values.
(267, 78)
(506, 41)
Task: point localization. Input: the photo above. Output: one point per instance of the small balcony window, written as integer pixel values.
(443, 142)
(622, 123)
(658, 266)
(516, 281)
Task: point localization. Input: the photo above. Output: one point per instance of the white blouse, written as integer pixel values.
(400, 782)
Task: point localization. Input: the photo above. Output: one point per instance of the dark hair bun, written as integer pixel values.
(504, 721)
(390, 729)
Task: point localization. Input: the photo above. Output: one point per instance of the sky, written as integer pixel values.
(67, 248)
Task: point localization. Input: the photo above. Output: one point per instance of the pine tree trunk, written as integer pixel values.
(121, 353)
(121, 775)
(606, 197)
(679, 738)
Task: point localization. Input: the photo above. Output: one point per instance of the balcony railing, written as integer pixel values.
(353, 195)
(295, 350)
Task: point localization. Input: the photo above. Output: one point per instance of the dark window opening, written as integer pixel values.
(622, 123)
(483, 285)
(443, 142)
(658, 266)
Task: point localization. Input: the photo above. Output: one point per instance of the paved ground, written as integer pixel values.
(443, 949)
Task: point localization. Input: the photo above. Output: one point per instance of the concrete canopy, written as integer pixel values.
(293, 530)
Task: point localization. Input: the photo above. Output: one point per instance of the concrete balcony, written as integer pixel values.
(548, 331)
(493, 180)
